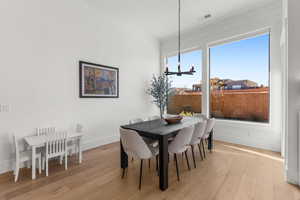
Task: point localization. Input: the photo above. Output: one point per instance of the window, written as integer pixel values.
(186, 89)
(239, 79)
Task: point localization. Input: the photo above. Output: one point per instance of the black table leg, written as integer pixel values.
(210, 140)
(123, 157)
(163, 162)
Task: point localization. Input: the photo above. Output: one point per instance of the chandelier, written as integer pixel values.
(179, 72)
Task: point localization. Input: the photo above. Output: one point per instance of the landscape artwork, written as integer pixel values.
(98, 81)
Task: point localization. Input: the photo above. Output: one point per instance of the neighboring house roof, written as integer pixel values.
(242, 83)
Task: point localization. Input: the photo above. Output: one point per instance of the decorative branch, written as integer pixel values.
(159, 90)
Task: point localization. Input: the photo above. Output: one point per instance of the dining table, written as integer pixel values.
(38, 141)
(161, 131)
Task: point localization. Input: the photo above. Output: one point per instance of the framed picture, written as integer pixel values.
(98, 81)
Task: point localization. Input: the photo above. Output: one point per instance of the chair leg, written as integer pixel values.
(40, 165)
(123, 172)
(203, 148)
(193, 154)
(60, 160)
(141, 174)
(17, 169)
(43, 163)
(66, 161)
(156, 157)
(176, 163)
(187, 160)
(47, 167)
(200, 151)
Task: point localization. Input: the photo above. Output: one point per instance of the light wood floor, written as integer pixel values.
(231, 172)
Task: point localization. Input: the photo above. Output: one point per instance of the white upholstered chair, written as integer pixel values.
(134, 121)
(56, 146)
(180, 145)
(135, 146)
(198, 133)
(201, 116)
(153, 117)
(209, 128)
(22, 157)
(148, 141)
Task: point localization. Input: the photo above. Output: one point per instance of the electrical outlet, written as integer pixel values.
(4, 108)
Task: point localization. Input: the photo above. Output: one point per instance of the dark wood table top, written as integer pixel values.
(160, 128)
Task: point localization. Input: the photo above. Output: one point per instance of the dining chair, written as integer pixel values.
(148, 141)
(23, 157)
(200, 115)
(153, 117)
(136, 120)
(198, 133)
(135, 146)
(56, 146)
(209, 128)
(180, 145)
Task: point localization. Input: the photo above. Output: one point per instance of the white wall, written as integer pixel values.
(293, 100)
(267, 136)
(41, 43)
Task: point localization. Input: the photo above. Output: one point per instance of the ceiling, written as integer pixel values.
(159, 17)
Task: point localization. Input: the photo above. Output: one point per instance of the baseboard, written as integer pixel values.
(6, 165)
(245, 141)
(291, 177)
(90, 144)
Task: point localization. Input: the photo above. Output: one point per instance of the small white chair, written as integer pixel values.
(72, 144)
(135, 146)
(199, 131)
(180, 145)
(56, 146)
(22, 157)
(44, 131)
(209, 128)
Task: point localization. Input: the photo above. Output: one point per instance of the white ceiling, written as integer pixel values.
(159, 17)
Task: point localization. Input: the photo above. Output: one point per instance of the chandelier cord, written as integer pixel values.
(179, 13)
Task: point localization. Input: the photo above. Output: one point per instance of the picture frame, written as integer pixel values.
(98, 81)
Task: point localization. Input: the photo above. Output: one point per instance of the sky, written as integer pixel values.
(239, 60)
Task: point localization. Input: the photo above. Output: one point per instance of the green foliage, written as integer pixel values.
(160, 89)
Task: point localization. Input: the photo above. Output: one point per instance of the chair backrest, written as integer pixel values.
(56, 144)
(134, 145)
(16, 147)
(201, 116)
(79, 128)
(181, 140)
(45, 131)
(209, 126)
(199, 131)
(153, 117)
(137, 120)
